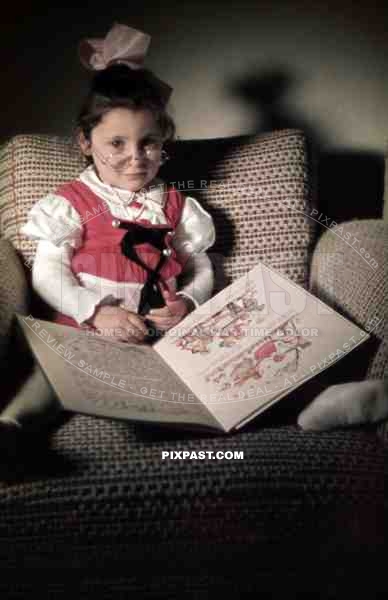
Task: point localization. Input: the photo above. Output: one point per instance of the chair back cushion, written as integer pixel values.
(257, 189)
(32, 166)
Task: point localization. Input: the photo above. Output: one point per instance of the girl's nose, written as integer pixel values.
(136, 152)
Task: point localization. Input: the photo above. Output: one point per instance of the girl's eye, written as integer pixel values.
(117, 144)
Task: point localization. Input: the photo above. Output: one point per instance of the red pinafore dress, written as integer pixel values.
(101, 253)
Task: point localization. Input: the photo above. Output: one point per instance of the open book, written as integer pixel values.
(226, 362)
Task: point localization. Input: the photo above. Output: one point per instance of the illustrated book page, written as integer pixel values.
(253, 343)
(95, 375)
(226, 362)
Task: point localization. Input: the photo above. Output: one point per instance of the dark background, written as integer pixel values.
(236, 67)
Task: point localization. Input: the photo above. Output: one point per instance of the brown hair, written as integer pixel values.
(119, 86)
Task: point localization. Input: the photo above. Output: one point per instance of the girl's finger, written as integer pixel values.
(130, 339)
(137, 324)
(134, 335)
(164, 323)
(160, 319)
(164, 311)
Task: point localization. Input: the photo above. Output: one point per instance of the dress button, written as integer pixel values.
(115, 223)
(167, 252)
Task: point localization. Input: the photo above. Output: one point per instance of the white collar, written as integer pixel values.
(153, 193)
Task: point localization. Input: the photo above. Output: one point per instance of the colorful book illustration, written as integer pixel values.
(228, 361)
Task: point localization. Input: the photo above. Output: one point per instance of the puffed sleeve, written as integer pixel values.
(194, 235)
(54, 219)
(197, 279)
(54, 281)
(195, 232)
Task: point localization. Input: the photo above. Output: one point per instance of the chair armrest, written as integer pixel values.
(14, 292)
(348, 272)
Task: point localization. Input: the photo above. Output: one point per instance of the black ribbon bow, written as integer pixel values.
(151, 296)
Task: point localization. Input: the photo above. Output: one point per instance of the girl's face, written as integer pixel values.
(126, 148)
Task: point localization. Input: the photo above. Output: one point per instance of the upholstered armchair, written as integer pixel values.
(96, 512)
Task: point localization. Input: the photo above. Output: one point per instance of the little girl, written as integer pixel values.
(119, 249)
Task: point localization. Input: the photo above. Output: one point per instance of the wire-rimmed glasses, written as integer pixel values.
(119, 160)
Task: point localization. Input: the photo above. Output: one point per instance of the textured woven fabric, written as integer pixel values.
(349, 272)
(13, 292)
(256, 188)
(352, 277)
(15, 296)
(32, 166)
(107, 508)
(102, 515)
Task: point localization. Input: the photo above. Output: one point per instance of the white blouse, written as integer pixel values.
(58, 227)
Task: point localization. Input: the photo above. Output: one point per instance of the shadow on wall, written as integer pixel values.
(196, 161)
(350, 183)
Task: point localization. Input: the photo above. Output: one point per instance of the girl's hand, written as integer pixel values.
(119, 323)
(170, 315)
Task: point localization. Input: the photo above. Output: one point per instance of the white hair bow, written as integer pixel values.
(123, 45)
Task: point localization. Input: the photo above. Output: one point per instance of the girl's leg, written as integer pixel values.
(25, 427)
(345, 404)
(34, 406)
